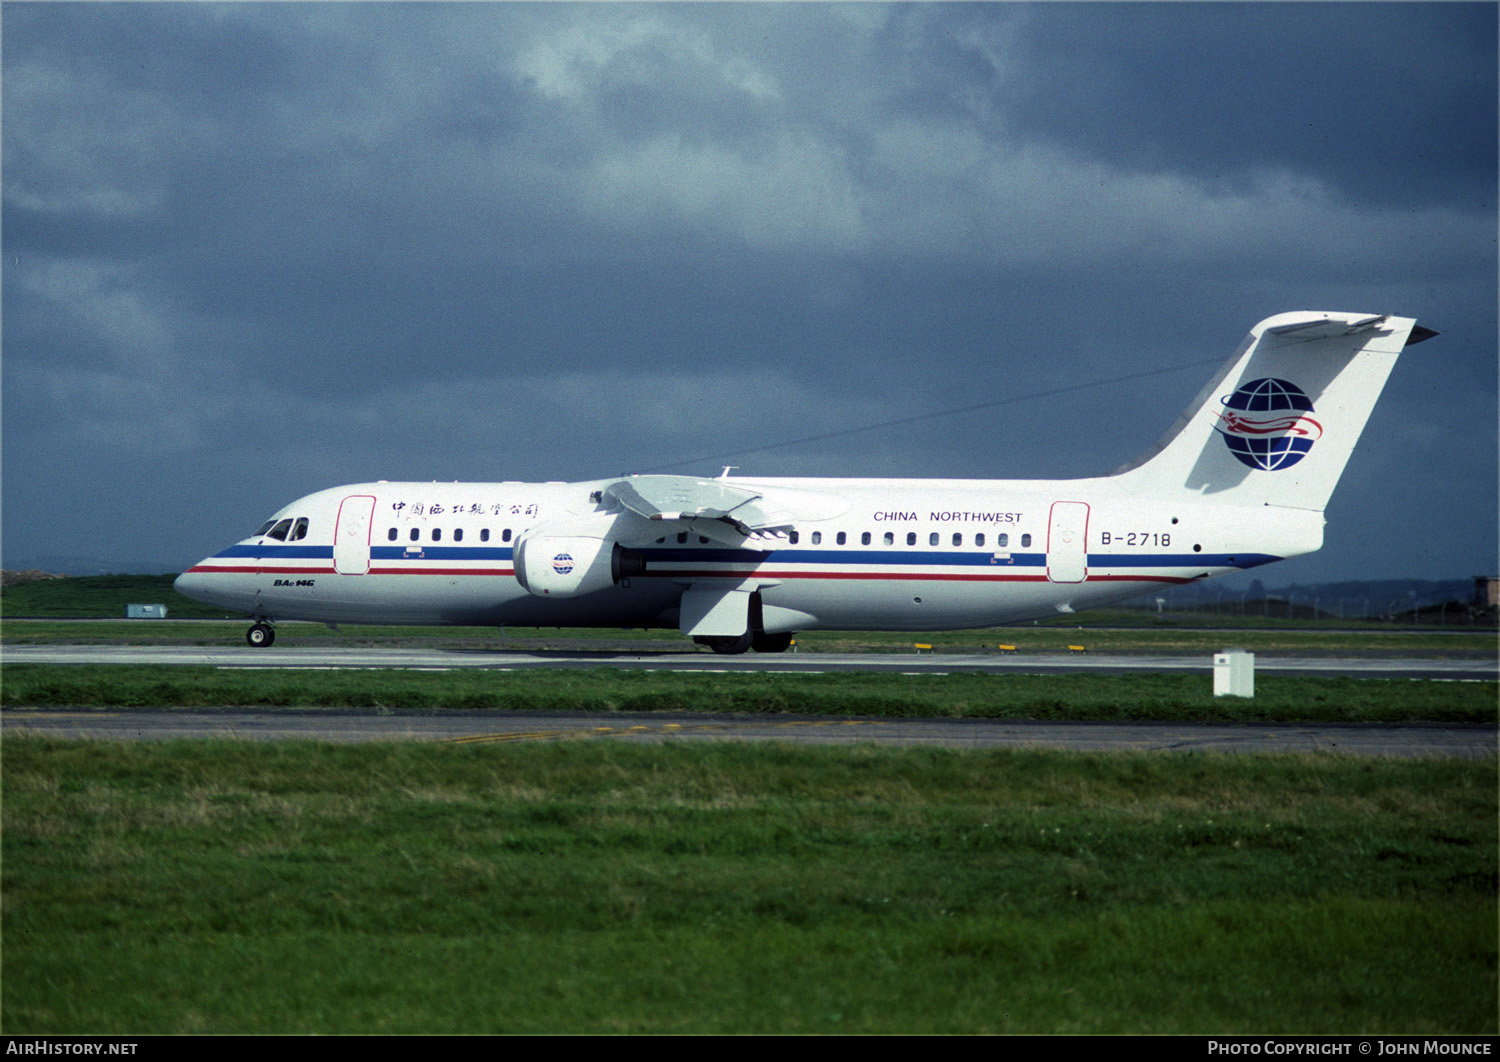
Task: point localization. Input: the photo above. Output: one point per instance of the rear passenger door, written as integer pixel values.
(1067, 554)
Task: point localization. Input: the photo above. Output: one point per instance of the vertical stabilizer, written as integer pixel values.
(1277, 425)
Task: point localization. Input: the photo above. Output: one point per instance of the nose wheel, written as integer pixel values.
(260, 636)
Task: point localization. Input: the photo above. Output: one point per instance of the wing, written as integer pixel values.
(710, 507)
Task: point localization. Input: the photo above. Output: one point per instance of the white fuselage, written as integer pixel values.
(1242, 479)
(873, 555)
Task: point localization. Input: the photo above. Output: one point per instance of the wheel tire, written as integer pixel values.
(260, 636)
(772, 643)
(727, 646)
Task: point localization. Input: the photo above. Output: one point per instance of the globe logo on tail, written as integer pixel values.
(1265, 424)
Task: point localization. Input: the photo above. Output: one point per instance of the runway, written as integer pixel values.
(1472, 668)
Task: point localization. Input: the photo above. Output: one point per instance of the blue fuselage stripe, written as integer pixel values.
(739, 557)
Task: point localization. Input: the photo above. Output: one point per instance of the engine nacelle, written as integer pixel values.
(570, 565)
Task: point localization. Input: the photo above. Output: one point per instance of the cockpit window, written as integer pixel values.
(264, 528)
(299, 529)
(279, 531)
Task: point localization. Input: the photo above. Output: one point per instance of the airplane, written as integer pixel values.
(734, 563)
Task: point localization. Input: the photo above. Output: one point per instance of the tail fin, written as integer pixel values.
(1277, 425)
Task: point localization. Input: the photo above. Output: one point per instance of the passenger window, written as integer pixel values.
(932, 539)
(484, 534)
(792, 537)
(1002, 540)
(864, 539)
(505, 535)
(817, 538)
(458, 534)
(437, 534)
(279, 531)
(414, 534)
(979, 539)
(842, 538)
(391, 536)
(911, 538)
(958, 540)
(681, 538)
(1025, 540)
(890, 538)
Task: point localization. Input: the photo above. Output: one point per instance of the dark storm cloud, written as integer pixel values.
(1385, 102)
(283, 246)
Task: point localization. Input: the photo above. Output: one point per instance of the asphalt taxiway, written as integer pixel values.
(478, 727)
(1473, 668)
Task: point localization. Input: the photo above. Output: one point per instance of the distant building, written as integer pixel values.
(1486, 591)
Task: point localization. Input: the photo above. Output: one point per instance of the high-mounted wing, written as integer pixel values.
(700, 502)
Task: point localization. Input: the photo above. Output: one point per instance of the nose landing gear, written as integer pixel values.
(260, 636)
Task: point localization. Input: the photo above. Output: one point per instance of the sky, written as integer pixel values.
(255, 250)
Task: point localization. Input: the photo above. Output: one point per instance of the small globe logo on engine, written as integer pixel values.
(1265, 424)
(562, 564)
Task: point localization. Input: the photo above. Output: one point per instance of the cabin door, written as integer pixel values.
(351, 538)
(1067, 553)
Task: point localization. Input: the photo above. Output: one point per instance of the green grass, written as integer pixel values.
(92, 596)
(591, 887)
(959, 695)
(300, 887)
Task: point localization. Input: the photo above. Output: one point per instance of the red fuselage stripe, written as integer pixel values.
(707, 574)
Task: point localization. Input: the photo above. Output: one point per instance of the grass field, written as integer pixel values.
(219, 886)
(960, 695)
(93, 596)
(243, 887)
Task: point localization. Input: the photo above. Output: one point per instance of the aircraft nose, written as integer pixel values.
(191, 584)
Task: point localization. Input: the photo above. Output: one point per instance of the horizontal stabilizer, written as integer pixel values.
(1326, 325)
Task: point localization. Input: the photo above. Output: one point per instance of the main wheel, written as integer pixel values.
(260, 636)
(727, 646)
(772, 643)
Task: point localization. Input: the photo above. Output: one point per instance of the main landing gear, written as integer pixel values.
(753, 638)
(772, 643)
(260, 636)
(761, 643)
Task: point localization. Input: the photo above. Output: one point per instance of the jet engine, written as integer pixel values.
(567, 565)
